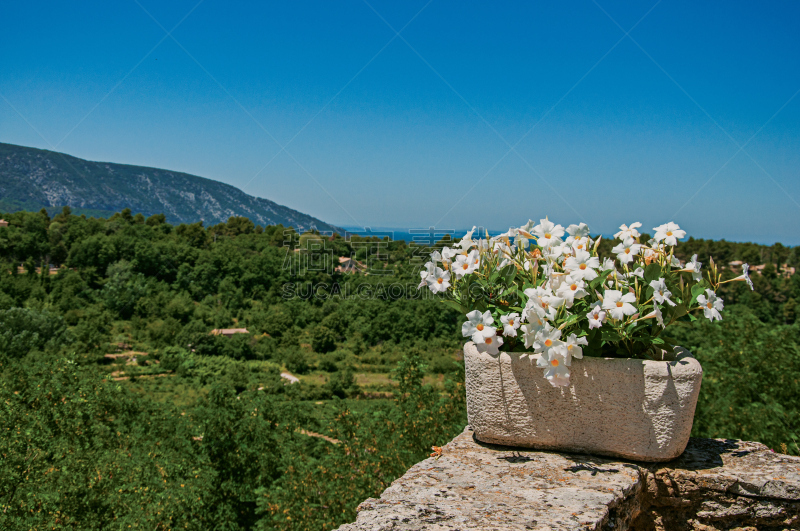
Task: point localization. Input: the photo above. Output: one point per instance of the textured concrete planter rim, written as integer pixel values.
(630, 408)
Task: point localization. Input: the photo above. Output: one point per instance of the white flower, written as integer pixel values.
(639, 272)
(608, 263)
(577, 232)
(558, 380)
(430, 269)
(547, 341)
(511, 323)
(626, 232)
(669, 233)
(555, 251)
(660, 292)
(531, 328)
(466, 242)
(447, 256)
(504, 262)
(556, 369)
(555, 279)
(659, 317)
(548, 233)
(475, 257)
(465, 265)
(519, 238)
(580, 244)
(711, 305)
(571, 289)
(439, 281)
(693, 267)
(596, 316)
(619, 305)
(531, 316)
(543, 302)
(572, 347)
(583, 265)
(746, 276)
(478, 326)
(626, 251)
(490, 345)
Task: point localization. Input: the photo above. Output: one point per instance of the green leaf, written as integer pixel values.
(697, 290)
(652, 272)
(454, 305)
(570, 321)
(600, 278)
(631, 327)
(508, 273)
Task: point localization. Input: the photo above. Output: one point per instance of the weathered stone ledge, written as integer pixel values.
(715, 484)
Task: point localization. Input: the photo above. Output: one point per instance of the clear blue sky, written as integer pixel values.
(417, 130)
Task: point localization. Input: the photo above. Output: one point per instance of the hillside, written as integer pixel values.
(31, 179)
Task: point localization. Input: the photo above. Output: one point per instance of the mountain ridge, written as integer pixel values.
(33, 178)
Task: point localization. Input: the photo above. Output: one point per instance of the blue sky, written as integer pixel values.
(418, 129)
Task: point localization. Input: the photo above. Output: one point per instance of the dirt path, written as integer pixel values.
(291, 377)
(142, 376)
(319, 435)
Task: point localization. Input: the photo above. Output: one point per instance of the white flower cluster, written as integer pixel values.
(562, 304)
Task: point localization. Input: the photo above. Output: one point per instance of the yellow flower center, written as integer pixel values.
(511, 322)
(548, 343)
(669, 233)
(547, 235)
(439, 280)
(710, 306)
(580, 246)
(573, 287)
(554, 362)
(545, 305)
(480, 327)
(465, 266)
(627, 251)
(582, 267)
(488, 340)
(619, 304)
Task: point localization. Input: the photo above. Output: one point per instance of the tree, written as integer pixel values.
(323, 340)
(193, 234)
(123, 289)
(23, 330)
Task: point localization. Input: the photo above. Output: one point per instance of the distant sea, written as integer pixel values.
(421, 236)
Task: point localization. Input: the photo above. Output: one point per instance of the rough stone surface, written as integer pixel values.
(715, 485)
(634, 409)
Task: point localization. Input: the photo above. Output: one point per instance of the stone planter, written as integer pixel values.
(635, 409)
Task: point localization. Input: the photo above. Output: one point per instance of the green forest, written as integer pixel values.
(122, 410)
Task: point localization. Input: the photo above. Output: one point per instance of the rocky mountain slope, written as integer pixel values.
(34, 178)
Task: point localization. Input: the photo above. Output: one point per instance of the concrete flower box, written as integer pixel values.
(635, 409)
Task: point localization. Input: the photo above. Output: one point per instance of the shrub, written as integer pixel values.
(172, 357)
(343, 384)
(296, 361)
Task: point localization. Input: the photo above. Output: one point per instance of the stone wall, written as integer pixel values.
(715, 484)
